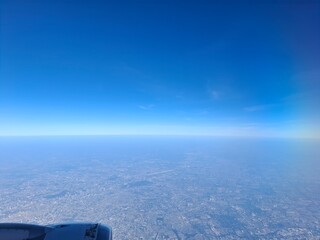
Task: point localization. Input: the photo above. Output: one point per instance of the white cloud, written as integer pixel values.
(215, 94)
(256, 108)
(146, 107)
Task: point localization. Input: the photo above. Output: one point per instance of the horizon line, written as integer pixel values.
(162, 135)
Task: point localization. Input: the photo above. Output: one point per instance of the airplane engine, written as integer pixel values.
(70, 231)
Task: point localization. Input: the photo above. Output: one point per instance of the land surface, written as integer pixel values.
(165, 188)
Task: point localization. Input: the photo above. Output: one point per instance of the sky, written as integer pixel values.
(220, 68)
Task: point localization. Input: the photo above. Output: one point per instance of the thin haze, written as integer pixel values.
(241, 68)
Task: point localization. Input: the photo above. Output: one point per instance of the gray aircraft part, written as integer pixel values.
(72, 231)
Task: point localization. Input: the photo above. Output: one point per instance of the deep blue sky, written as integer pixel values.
(160, 67)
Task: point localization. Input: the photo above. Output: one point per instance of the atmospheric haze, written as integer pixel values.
(165, 187)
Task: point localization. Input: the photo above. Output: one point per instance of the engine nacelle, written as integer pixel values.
(69, 231)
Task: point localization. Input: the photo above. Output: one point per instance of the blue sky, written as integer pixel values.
(160, 67)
